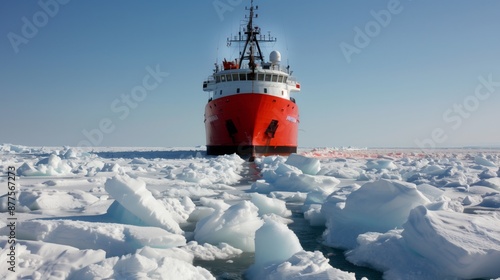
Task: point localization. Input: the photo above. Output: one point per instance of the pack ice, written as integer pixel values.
(162, 213)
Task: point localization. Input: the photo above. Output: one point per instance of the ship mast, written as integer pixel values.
(251, 41)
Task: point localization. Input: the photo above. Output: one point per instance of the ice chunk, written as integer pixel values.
(461, 245)
(115, 239)
(111, 167)
(180, 209)
(288, 178)
(223, 169)
(491, 201)
(143, 265)
(40, 260)
(50, 199)
(484, 162)
(279, 255)
(303, 266)
(308, 165)
(487, 173)
(269, 205)
(51, 166)
(274, 244)
(210, 252)
(493, 183)
(314, 215)
(377, 206)
(431, 192)
(470, 200)
(235, 226)
(381, 164)
(388, 252)
(133, 196)
(26, 170)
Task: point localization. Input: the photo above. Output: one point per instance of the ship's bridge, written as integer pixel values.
(267, 79)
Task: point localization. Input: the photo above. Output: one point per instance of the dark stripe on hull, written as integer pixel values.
(251, 151)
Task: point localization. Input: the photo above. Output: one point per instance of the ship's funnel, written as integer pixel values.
(275, 57)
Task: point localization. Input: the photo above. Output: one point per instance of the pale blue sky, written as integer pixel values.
(415, 78)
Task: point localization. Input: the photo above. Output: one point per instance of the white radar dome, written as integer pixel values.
(275, 57)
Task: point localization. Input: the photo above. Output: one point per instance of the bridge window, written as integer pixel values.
(260, 77)
(235, 77)
(280, 79)
(217, 79)
(243, 77)
(275, 78)
(223, 78)
(267, 78)
(228, 77)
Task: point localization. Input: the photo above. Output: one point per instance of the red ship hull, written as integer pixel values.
(252, 125)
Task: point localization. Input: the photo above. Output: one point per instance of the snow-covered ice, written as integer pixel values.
(162, 213)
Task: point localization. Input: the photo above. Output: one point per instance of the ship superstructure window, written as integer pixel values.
(275, 78)
(243, 77)
(267, 78)
(284, 79)
(228, 77)
(217, 79)
(236, 77)
(280, 79)
(220, 92)
(265, 90)
(223, 78)
(260, 77)
(238, 90)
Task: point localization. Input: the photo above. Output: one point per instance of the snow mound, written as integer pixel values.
(377, 206)
(235, 226)
(133, 196)
(269, 205)
(144, 264)
(279, 255)
(307, 165)
(115, 239)
(39, 260)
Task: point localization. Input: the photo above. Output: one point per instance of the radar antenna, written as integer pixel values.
(251, 41)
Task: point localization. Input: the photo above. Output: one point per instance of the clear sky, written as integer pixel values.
(381, 73)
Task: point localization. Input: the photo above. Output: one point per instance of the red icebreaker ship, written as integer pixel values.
(250, 109)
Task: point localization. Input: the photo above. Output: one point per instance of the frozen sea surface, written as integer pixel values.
(175, 213)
